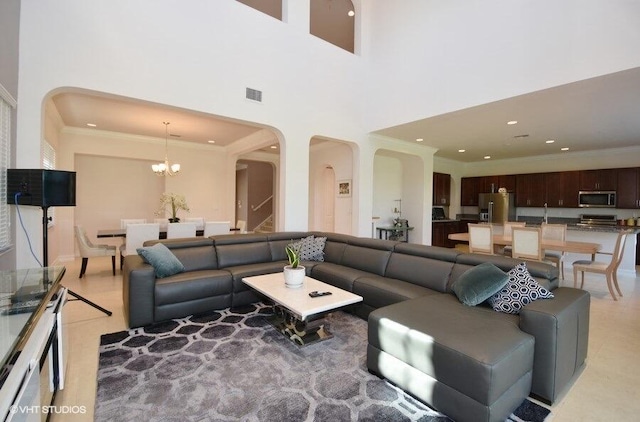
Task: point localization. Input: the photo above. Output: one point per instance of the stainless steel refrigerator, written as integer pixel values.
(497, 208)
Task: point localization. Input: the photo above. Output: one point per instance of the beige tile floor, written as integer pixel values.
(607, 389)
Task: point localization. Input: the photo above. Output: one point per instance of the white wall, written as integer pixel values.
(429, 57)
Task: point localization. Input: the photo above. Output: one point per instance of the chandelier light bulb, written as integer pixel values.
(165, 169)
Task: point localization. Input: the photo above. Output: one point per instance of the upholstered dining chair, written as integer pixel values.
(89, 250)
(124, 222)
(554, 232)
(136, 235)
(480, 238)
(162, 222)
(212, 228)
(506, 232)
(609, 269)
(526, 243)
(179, 230)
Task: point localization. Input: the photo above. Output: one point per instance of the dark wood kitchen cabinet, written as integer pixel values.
(562, 189)
(469, 191)
(628, 188)
(441, 189)
(440, 232)
(507, 181)
(603, 179)
(530, 190)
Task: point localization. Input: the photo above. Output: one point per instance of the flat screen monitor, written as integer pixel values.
(42, 188)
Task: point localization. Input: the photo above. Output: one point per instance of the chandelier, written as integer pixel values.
(164, 169)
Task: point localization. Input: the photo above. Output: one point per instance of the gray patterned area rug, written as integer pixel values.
(233, 365)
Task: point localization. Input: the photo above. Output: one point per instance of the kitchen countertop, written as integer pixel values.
(572, 224)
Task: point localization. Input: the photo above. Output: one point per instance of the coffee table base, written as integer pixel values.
(302, 333)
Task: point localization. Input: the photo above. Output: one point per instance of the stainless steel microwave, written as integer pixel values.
(597, 199)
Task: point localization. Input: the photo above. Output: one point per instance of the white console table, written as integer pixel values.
(32, 342)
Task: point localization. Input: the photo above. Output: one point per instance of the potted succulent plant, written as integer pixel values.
(294, 272)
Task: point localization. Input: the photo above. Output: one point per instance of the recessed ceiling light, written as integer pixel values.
(92, 124)
(351, 13)
(461, 150)
(512, 122)
(486, 157)
(564, 149)
(419, 140)
(550, 141)
(211, 141)
(273, 147)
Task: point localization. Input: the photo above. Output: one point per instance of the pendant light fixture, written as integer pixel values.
(164, 169)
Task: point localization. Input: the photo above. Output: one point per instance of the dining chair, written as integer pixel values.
(199, 222)
(124, 222)
(526, 243)
(609, 269)
(241, 225)
(212, 228)
(506, 232)
(88, 250)
(136, 235)
(555, 232)
(480, 238)
(162, 222)
(180, 230)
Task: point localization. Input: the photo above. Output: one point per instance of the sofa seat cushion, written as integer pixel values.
(473, 350)
(379, 291)
(241, 271)
(337, 275)
(192, 285)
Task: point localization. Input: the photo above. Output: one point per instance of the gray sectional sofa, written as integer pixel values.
(470, 362)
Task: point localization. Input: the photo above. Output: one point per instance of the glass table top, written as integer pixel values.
(24, 294)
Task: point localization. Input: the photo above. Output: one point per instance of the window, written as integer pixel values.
(272, 8)
(333, 21)
(5, 161)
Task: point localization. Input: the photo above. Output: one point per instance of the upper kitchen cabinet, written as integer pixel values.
(530, 190)
(507, 181)
(628, 188)
(441, 189)
(562, 189)
(604, 179)
(469, 191)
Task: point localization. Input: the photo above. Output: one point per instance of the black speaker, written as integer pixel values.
(42, 188)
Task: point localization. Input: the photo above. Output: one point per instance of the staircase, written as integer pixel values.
(266, 226)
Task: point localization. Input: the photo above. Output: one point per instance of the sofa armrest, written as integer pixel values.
(138, 287)
(561, 329)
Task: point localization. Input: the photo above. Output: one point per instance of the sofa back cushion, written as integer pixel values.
(426, 272)
(195, 254)
(545, 274)
(244, 250)
(369, 255)
(334, 246)
(279, 241)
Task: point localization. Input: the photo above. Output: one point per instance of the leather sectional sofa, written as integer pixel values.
(469, 362)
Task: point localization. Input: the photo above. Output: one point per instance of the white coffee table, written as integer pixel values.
(297, 315)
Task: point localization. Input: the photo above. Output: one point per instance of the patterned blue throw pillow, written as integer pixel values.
(520, 290)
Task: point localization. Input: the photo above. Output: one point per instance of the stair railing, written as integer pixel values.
(261, 204)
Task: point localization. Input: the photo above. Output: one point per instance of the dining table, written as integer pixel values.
(569, 246)
(103, 233)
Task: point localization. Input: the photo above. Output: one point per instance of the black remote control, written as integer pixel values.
(316, 293)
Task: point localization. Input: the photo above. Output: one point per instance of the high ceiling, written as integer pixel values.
(589, 115)
(593, 114)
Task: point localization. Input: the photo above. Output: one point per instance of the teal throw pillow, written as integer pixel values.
(163, 261)
(479, 283)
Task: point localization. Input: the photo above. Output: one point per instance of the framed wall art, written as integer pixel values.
(344, 188)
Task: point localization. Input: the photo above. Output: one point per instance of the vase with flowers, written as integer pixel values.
(172, 202)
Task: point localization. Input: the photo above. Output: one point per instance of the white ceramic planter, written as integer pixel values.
(294, 277)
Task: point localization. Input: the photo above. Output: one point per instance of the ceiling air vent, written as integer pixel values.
(254, 95)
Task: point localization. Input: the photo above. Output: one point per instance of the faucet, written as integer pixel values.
(545, 218)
